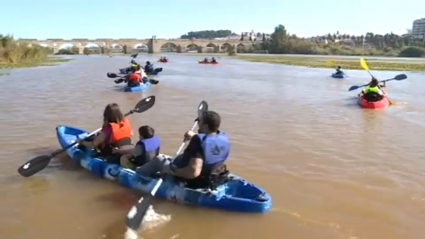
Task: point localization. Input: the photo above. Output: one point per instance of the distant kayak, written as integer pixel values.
(373, 104)
(339, 76)
(235, 194)
(139, 88)
(209, 62)
(163, 61)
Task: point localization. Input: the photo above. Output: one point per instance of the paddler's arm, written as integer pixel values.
(194, 168)
(96, 142)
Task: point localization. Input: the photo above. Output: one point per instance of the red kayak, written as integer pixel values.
(163, 61)
(373, 105)
(209, 62)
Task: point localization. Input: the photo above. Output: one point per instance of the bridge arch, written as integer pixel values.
(240, 47)
(211, 45)
(226, 46)
(140, 46)
(192, 47)
(116, 46)
(169, 46)
(92, 45)
(67, 45)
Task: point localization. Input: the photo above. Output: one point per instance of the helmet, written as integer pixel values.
(148, 63)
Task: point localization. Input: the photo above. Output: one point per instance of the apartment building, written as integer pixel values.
(418, 29)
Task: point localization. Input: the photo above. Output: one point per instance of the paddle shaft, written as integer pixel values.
(88, 136)
(145, 206)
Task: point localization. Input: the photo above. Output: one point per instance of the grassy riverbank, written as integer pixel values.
(15, 55)
(25, 64)
(323, 62)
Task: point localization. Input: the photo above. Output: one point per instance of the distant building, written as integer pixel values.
(418, 29)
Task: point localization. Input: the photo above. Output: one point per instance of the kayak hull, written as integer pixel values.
(209, 63)
(373, 105)
(235, 195)
(163, 61)
(338, 76)
(139, 88)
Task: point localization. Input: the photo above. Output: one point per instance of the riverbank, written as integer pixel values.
(26, 64)
(352, 63)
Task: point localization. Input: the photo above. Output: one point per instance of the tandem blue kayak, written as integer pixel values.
(139, 88)
(339, 76)
(236, 194)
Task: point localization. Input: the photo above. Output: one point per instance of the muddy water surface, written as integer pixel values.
(333, 169)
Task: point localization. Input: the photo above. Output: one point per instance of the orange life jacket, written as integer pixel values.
(136, 77)
(121, 131)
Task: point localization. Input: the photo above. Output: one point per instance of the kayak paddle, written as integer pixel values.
(113, 75)
(137, 212)
(366, 67)
(39, 163)
(397, 77)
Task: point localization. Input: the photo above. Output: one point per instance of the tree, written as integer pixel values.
(242, 36)
(264, 37)
(250, 38)
(209, 34)
(278, 39)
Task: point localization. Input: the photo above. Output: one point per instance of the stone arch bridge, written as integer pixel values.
(151, 45)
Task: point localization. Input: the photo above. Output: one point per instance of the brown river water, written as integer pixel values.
(335, 171)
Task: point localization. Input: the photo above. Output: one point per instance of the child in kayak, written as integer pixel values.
(146, 149)
(338, 71)
(373, 92)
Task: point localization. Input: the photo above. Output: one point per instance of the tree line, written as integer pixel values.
(282, 42)
(208, 34)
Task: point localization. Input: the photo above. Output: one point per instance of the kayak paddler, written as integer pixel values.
(213, 60)
(202, 163)
(116, 133)
(339, 71)
(373, 91)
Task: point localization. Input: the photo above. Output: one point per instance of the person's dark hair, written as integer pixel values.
(146, 131)
(112, 114)
(339, 67)
(148, 63)
(138, 67)
(374, 82)
(212, 120)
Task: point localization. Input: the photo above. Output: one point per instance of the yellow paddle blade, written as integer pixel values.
(364, 64)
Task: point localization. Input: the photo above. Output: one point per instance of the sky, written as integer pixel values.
(172, 18)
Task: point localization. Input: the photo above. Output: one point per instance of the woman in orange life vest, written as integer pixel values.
(116, 133)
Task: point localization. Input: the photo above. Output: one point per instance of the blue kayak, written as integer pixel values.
(139, 88)
(236, 194)
(339, 76)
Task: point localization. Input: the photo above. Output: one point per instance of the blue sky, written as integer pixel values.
(172, 18)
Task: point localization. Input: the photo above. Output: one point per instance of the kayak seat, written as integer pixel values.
(373, 97)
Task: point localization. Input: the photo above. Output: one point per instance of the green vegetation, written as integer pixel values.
(209, 34)
(321, 62)
(14, 55)
(370, 44)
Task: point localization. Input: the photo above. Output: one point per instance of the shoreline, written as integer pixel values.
(346, 62)
(50, 61)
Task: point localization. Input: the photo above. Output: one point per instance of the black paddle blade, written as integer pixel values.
(354, 87)
(400, 77)
(153, 81)
(137, 213)
(203, 107)
(34, 166)
(112, 75)
(144, 104)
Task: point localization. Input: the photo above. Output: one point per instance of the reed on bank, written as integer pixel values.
(15, 55)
